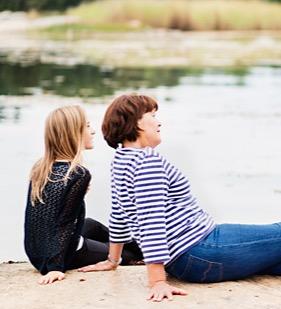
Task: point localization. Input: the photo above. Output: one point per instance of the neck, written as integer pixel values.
(61, 160)
(136, 144)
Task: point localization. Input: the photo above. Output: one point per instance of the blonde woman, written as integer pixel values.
(57, 235)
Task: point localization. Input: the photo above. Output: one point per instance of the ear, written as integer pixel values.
(140, 124)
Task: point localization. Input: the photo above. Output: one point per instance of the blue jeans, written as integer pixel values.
(230, 252)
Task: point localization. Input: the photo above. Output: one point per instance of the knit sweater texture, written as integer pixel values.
(52, 229)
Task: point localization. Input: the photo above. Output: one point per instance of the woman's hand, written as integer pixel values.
(161, 289)
(51, 277)
(101, 266)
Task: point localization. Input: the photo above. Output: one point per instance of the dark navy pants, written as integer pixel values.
(230, 252)
(96, 246)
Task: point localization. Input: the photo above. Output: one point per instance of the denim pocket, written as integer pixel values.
(200, 270)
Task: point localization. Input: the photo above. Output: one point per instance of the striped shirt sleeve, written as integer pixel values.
(119, 231)
(151, 188)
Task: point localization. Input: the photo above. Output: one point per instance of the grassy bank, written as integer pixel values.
(201, 47)
(198, 15)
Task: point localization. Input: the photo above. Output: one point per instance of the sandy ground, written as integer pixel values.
(126, 288)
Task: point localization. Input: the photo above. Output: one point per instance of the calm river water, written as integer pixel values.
(221, 127)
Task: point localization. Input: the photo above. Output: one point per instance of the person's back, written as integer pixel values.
(48, 225)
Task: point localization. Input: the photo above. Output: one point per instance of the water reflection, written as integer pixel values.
(224, 137)
(93, 81)
(10, 113)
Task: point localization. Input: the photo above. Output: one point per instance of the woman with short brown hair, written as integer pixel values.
(152, 203)
(121, 119)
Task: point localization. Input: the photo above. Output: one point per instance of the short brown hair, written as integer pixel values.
(120, 122)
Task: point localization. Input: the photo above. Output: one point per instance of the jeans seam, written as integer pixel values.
(187, 265)
(220, 271)
(206, 271)
(210, 265)
(240, 244)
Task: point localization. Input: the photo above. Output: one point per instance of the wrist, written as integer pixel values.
(114, 262)
(152, 283)
(156, 274)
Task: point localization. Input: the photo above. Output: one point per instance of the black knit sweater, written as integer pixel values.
(52, 230)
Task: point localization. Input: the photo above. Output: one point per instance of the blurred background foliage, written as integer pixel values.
(186, 15)
(42, 5)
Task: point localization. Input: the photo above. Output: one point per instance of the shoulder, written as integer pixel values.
(150, 158)
(150, 154)
(80, 173)
(82, 170)
(136, 157)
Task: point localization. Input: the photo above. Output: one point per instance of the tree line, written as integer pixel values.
(45, 5)
(40, 5)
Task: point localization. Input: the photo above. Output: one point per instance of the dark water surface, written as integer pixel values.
(83, 80)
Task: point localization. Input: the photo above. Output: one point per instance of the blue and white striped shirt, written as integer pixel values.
(152, 203)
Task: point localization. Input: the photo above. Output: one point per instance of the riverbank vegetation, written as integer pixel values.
(40, 5)
(192, 15)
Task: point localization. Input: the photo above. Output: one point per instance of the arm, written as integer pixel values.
(159, 288)
(151, 190)
(119, 234)
(114, 259)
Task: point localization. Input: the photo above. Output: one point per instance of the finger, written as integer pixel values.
(150, 295)
(156, 297)
(179, 292)
(40, 281)
(44, 279)
(169, 295)
(92, 268)
(61, 276)
(85, 269)
(161, 296)
(47, 281)
(153, 295)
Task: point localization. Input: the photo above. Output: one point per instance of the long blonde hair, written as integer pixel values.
(64, 131)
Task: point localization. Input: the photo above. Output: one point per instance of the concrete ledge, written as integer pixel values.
(126, 288)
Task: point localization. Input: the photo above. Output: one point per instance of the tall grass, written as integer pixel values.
(183, 14)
